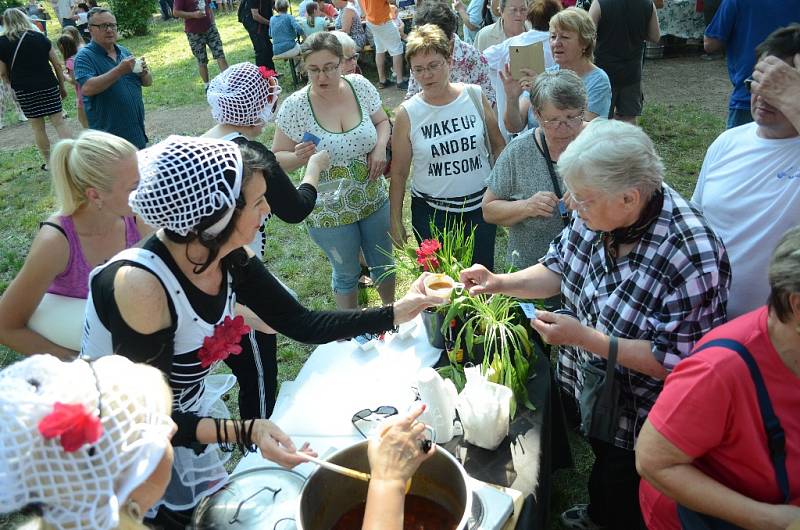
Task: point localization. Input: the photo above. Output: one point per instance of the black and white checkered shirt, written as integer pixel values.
(670, 290)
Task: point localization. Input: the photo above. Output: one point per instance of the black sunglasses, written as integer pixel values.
(748, 84)
(382, 412)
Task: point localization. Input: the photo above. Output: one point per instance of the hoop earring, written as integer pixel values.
(134, 510)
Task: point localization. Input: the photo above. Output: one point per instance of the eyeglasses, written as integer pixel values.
(353, 57)
(328, 70)
(105, 27)
(432, 68)
(748, 84)
(582, 205)
(570, 122)
(369, 415)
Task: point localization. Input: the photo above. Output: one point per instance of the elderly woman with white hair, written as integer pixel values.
(85, 444)
(171, 304)
(642, 278)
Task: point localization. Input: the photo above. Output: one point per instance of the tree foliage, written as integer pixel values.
(5, 4)
(133, 16)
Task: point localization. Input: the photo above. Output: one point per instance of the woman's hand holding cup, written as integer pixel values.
(416, 299)
(480, 280)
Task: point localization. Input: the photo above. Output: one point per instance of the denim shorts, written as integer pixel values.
(342, 243)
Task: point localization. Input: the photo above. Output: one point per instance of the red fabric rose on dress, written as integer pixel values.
(224, 342)
(73, 423)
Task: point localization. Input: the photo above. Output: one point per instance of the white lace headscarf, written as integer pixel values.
(244, 94)
(85, 487)
(182, 181)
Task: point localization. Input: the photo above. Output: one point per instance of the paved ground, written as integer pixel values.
(672, 81)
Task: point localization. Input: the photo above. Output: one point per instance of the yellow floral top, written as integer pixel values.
(358, 196)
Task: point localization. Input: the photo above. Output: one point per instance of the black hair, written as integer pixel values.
(783, 43)
(253, 160)
(96, 11)
(439, 14)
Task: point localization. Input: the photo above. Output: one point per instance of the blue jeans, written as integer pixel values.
(422, 213)
(738, 117)
(341, 245)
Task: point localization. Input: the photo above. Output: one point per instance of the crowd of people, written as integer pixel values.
(154, 263)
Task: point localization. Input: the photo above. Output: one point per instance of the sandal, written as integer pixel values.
(578, 518)
(385, 84)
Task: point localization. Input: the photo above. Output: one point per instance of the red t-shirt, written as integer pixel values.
(194, 25)
(709, 410)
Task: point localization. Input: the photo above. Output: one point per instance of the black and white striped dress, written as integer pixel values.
(32, 78)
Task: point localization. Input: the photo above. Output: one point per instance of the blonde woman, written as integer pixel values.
(28, 62)
(87, 444)
(572, 40)
(92, 177)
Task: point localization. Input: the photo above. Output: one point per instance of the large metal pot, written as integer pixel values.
(326, 495)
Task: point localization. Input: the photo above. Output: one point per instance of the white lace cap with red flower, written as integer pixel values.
(183, 180)
(241, 95)
(81, 488)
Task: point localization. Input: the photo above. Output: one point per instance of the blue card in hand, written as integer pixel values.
(308, 137)
(529, 309)
(562, 208)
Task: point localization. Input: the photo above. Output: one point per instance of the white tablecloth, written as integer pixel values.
(338, 380)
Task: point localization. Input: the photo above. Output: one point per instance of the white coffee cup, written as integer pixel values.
(440, 285)
(137, 66)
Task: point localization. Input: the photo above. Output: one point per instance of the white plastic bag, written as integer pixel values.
(440, 397)
(484, 409)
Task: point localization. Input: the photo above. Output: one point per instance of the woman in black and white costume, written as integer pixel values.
(166, 304)
(242, 100)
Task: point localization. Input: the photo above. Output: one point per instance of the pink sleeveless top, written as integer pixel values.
(74, 281)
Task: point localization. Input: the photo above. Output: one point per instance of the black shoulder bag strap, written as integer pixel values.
(553, 178)
(776, 438)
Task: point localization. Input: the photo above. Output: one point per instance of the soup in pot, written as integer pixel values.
(420, 514)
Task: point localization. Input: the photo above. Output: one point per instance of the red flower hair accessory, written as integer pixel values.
(73, 423)
(224, 342)
(266, 73)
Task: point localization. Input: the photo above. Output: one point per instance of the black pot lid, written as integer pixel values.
(258, 498)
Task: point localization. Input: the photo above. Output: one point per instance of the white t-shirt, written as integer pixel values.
(64, 9)
(749, 191)
(448, 148)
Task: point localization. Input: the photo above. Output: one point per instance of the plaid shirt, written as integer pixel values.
(670, 290)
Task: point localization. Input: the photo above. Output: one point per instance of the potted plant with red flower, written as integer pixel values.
(448, 251)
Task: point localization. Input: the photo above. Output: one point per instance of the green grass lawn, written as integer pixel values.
(681, 134)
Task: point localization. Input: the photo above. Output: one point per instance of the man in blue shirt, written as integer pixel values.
(739, 26)
(111, 81)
